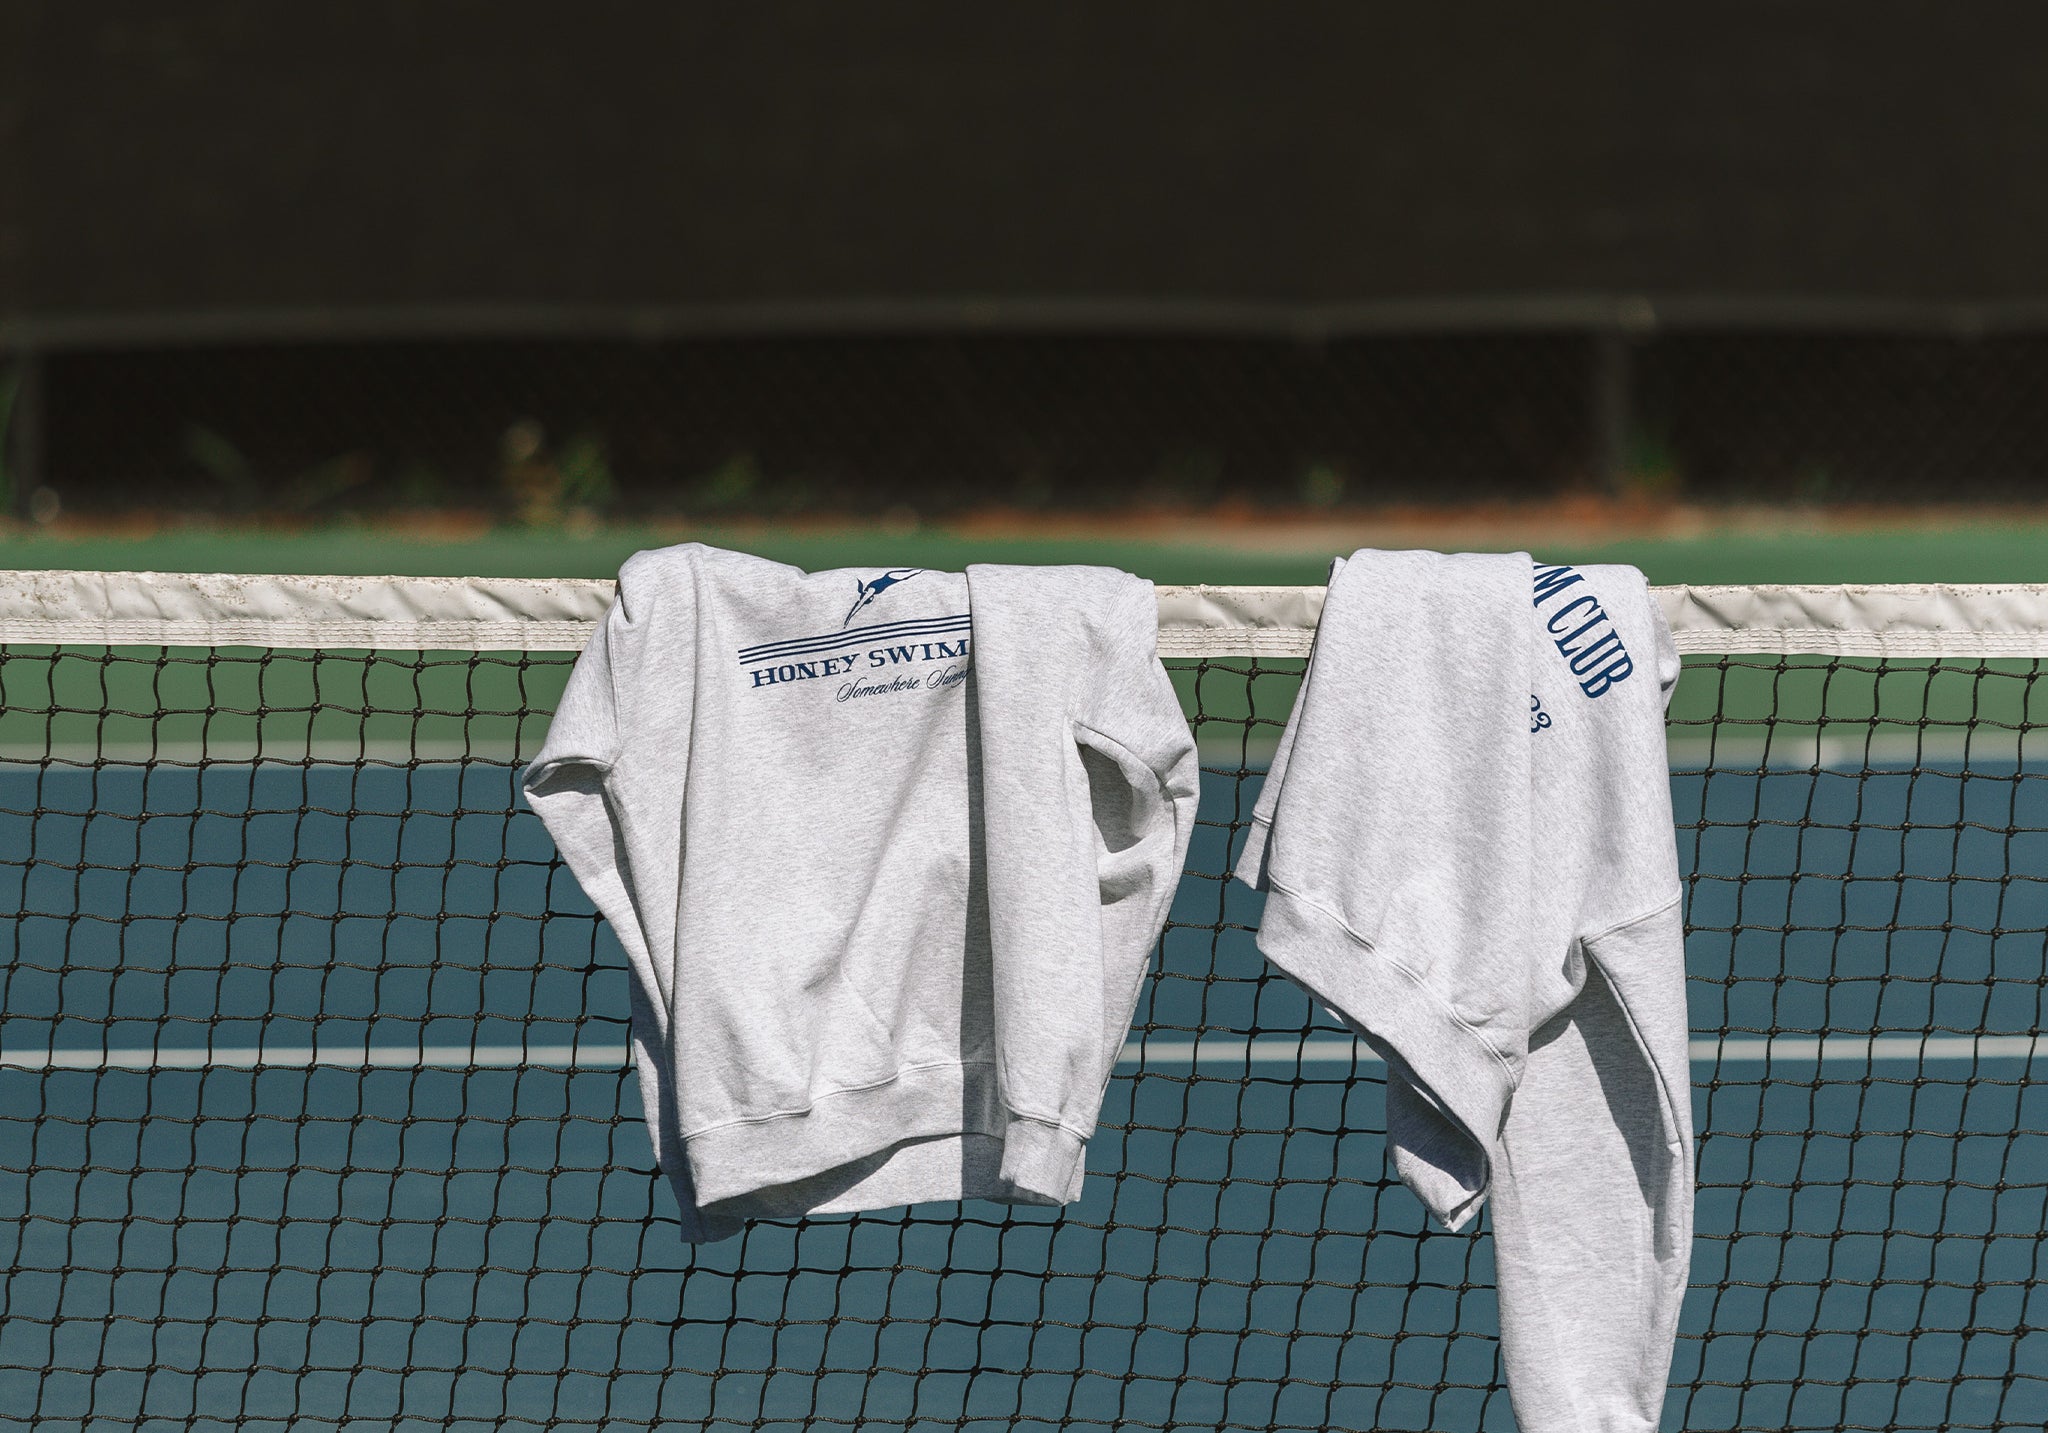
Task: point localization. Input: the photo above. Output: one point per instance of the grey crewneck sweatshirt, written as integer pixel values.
(1467, 848)
(887, 851)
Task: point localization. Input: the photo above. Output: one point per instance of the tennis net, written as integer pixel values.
(315, 1111)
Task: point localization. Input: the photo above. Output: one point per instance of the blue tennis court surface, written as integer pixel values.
(315, 1244)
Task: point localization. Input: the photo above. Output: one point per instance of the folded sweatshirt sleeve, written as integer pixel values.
(566, 782)
(609, 781)
(1087, 769)
(1143, 783)
(607, 785)
(1592, 1193)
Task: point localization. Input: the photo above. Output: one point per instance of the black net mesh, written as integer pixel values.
(314, 1111)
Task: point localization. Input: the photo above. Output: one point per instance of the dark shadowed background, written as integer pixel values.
(921, 259)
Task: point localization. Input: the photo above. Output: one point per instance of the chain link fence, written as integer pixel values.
(938, 424)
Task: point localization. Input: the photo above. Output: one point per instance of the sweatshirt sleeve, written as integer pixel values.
(1087, 780)
(609, 780)
(1592, 1193)
(1143, 784)
(565, 784)
(616, 818)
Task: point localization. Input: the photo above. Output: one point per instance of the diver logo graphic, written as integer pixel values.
(904, 641)
(869, 591)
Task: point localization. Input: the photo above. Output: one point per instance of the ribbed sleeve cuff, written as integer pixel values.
(1041, 1160)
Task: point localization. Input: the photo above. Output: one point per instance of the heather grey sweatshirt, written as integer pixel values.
(888, 852)
(1467, 845)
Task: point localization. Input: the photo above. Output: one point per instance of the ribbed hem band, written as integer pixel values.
(1383, 1002)
(1040, 1162)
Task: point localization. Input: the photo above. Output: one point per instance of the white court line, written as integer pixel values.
(278, 751)
(1736, 1049)
(1211, 1050)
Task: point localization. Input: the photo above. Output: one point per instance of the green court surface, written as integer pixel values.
(1945, 551)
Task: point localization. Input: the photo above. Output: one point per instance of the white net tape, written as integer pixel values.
(487, 614)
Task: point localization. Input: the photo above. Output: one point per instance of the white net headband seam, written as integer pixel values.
(486, 614)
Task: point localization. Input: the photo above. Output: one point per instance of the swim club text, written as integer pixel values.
(1582, 632)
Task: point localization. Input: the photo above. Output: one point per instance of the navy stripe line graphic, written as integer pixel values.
(929, 627)
(820, 646)
(856, 634)
(865, 634)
